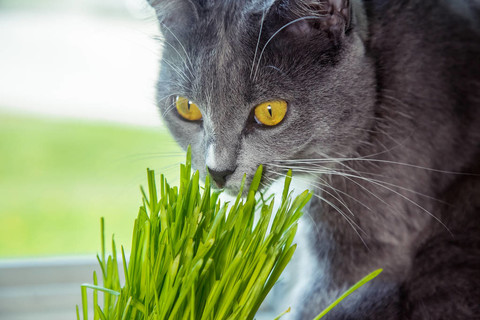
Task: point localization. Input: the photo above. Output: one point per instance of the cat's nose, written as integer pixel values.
(220, 177)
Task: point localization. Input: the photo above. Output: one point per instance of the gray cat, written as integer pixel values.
(377, 103)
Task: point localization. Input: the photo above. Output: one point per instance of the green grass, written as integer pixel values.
(57, 177)
(196, 257)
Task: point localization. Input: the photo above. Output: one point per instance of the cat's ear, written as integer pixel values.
(175, 14)
(307, 17)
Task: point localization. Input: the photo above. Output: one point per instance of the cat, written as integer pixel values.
(376, 103)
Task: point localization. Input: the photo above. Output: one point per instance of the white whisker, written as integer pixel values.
(258, 43)
(273, 36)
(177, 70)
(188, 65)
(383, 184)
(169, 108)
(329, 160)
(349, 220)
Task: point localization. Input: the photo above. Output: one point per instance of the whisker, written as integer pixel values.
(381, 184)
(326, 170)
(329, 172)
(349, 220)
(137, 158)
(336, 190)
(258, 43)
(400, 102)
(159, 100)
(273, 36)
(172, 84)
(183, 48)
(321, 186)
(399, 194)
(329, 160)
(169, 108)
(177, 70)
(349, 168)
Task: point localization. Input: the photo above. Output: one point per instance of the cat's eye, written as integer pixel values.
(271, 113)
(187, 109)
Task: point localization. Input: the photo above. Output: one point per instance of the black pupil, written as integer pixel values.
(269, 108)
(188, 105)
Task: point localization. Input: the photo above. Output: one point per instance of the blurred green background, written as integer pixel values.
(58, 177)
(78, 123)
(78, 128)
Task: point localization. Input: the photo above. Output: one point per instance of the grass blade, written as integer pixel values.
(360, 283)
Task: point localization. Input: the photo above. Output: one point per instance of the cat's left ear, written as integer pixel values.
(310, 16)
(175, 15)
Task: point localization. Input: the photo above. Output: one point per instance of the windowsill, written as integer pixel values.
(43, 288)
(49, 288)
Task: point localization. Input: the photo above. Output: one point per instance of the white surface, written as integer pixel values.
(76, 65)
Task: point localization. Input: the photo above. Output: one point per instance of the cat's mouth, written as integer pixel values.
(233, 191)
(233, 185)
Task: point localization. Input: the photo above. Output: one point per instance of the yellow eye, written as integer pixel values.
(271, 113)
(187, 109)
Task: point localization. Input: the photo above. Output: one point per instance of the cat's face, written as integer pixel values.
(221, 57)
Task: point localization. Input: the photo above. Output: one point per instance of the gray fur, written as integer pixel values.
(383, 111)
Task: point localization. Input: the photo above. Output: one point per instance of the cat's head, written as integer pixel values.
(250, 82)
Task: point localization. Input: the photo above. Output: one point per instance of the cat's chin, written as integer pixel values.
(272, 184)
(233, 190)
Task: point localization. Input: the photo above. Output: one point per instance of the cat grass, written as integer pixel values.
(194, 257)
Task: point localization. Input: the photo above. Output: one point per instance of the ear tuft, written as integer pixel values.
(333, 16)
(174, 14)
(339, 16)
